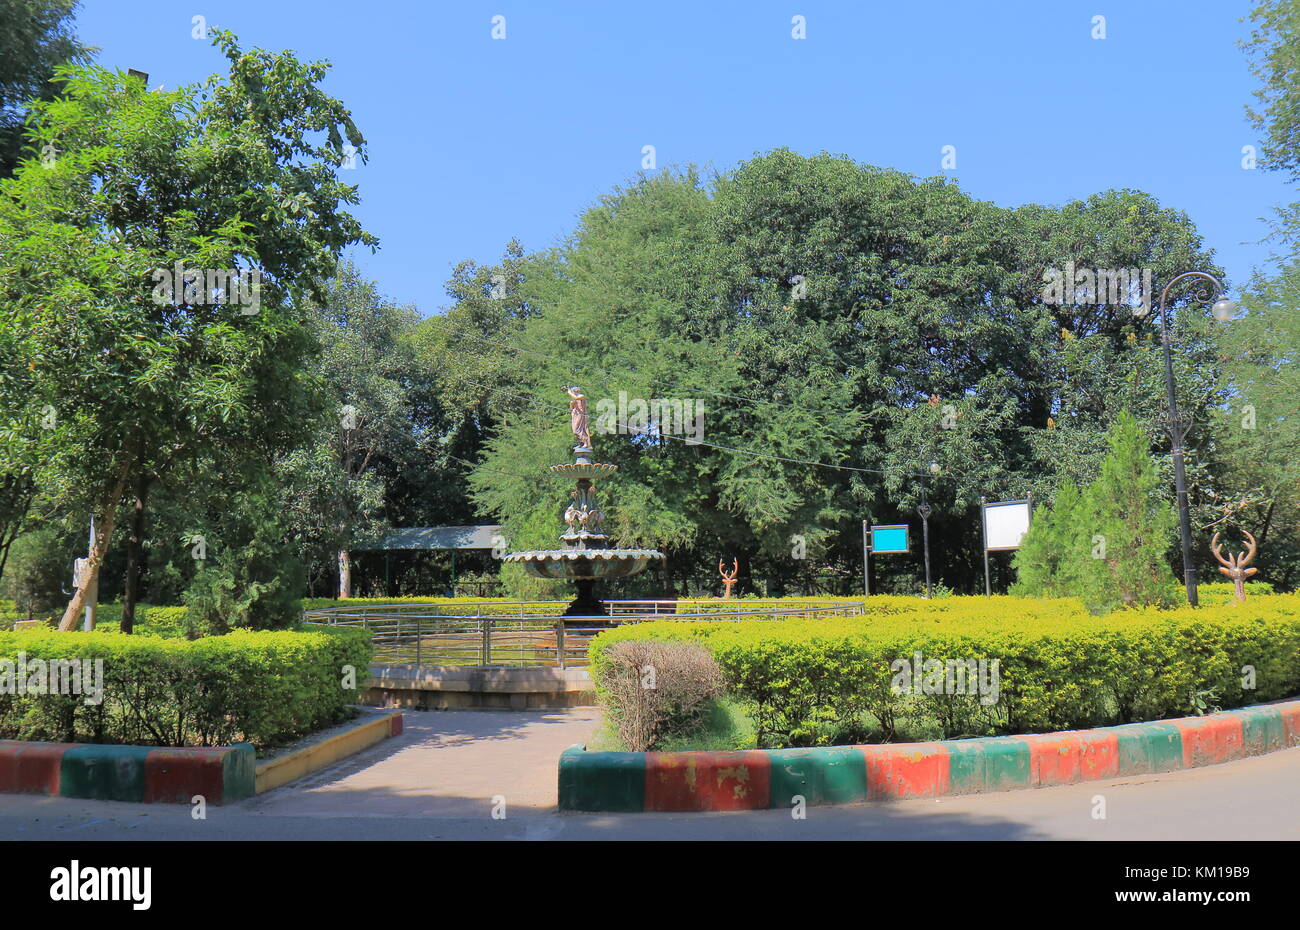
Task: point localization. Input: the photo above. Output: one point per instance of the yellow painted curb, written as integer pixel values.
(281, 770)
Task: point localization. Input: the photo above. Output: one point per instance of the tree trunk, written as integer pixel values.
(345, 573)
(103, 533)
(1268, 520)
(18, 494)
(134, 555)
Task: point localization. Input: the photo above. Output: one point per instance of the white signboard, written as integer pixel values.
(1005, 524)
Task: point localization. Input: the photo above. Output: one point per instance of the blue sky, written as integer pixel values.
(474, 141)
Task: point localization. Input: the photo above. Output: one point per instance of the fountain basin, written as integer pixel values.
(580, 564)
(583, 470)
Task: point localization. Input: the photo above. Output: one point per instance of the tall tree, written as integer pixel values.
(1258, 486)
(1273, 49)
(117, 264)
(36, 36)
(826, 312)
(367, 368)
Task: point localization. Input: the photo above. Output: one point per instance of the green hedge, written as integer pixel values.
(266, 688)
(160, 621)
(825, 681)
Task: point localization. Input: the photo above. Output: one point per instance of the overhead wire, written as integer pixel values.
(699, 442)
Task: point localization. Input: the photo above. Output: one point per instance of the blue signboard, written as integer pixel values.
(887, 540)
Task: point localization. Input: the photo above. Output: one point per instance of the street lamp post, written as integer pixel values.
(924, 512)
(1223, 310)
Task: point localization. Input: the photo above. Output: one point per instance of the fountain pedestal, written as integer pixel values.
(587, 555)
(586, 604)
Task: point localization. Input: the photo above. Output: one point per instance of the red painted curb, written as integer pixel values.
(1072, 756)
(30, 768)
(395, 725)
(1210, 740)
(175, 776)
(719, 781)
(911, 770)
(707, 781)
(1291, 722)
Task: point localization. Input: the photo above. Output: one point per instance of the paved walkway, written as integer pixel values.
(445, 763)
(437, 782)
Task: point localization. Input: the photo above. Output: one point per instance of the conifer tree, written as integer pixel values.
(1108, 544)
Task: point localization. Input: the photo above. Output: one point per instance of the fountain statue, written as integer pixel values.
(587, 555)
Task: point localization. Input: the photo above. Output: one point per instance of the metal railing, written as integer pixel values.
(530, 634)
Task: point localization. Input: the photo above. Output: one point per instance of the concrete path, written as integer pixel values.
(445, 764)
(437, 782)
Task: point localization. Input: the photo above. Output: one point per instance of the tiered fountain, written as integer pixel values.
(587, 555)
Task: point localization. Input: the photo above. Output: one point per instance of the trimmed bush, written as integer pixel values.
(149, 620)
(323, 603)
(834, 680)
(265, 688)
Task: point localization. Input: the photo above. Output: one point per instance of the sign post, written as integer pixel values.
(988, 587)
(1005, 524)
(885, 540)
(866, 578)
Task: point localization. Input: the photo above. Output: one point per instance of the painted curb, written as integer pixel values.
(166, 775)
(273, 773)
(770, 778)
(127, 773)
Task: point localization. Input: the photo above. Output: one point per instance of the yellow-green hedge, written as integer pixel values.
(815, 681)
(260, 687)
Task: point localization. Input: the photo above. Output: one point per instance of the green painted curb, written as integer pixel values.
(616, 781)
(105, 773)
(1146, 748)
(239, 773)
(831, 775)
(992, 763)
(602, 781)
(1262, 729)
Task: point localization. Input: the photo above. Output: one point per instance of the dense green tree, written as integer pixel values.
(250, 576)
(1050, 560)
(367, 366)
(1257, 484)
(36, 36)
(1130, 523)
(239, 174)
(824, 312)
(38, 571)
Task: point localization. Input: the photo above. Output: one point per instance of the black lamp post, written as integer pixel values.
(1223, 310)
(923, 510)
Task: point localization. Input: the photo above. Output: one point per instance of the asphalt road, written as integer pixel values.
(448, 775)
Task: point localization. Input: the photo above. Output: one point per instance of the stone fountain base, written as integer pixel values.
(586, 604)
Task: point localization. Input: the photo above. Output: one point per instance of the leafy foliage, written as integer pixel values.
(233, 174)
(823, 311)
(824, 681)
(36, 36)
(1109, 544)
(252, 577)
(174, 692)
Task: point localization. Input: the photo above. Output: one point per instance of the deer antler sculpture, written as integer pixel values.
(1235, 566)
(729, 580)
